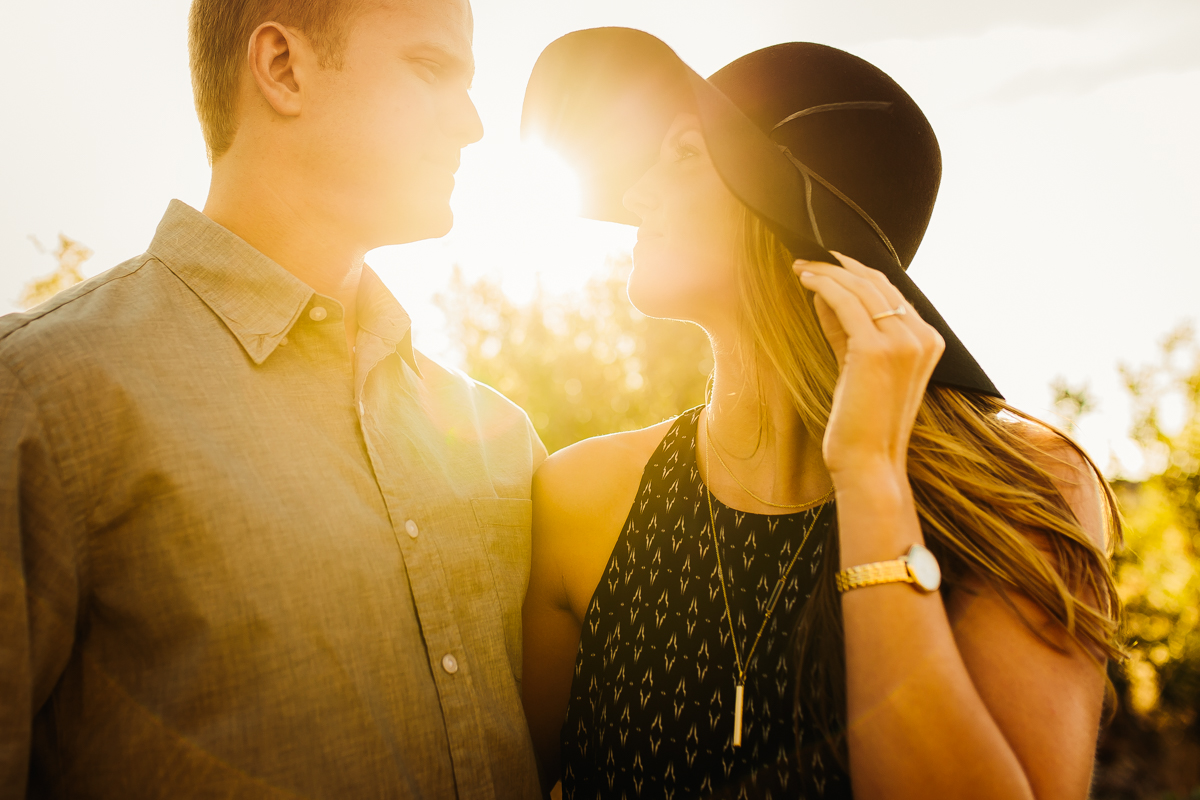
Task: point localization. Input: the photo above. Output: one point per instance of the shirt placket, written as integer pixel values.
(414, 523)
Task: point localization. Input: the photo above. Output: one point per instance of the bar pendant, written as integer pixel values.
(737, 714)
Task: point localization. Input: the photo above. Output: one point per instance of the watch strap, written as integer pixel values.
(895, 571)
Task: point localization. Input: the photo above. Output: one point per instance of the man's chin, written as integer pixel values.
(442, 226)
(418, 227)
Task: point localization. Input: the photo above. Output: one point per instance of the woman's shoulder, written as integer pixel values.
(1073, 475)
(581, 497)
(591, 477)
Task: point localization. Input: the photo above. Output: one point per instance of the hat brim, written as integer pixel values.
(604, 99)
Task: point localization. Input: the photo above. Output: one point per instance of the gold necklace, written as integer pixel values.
(740, 684)
(796, 506)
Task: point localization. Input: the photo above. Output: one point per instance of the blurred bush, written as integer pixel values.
(70, 256)
(580, 366)
(1152, 747)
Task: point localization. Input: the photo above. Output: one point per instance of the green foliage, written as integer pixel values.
(1159, 573)
(1152, 748)
(1071, 403)
(70, 256)
(580, 366)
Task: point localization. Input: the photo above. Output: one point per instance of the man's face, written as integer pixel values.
(383, 135)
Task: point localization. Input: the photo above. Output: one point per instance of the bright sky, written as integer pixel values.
(1063, 241)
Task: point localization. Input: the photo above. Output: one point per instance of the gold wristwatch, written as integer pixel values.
(917, 566)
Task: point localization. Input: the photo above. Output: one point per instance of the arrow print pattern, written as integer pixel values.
(651, 707)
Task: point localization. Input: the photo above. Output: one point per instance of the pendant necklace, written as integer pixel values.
(740, 684)
(796, 507)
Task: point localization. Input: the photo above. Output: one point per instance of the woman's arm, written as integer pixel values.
(968, 703)
(1054, 698)
(975, 706)
(550, 631)
(581, 496)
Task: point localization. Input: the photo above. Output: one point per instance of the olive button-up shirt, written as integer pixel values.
(239, 561)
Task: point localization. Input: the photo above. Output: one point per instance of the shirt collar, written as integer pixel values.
(258, 300)
(381, 315)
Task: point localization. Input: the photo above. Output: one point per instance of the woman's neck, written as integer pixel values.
(766, 449)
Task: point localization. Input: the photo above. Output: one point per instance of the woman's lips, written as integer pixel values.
(646, 239)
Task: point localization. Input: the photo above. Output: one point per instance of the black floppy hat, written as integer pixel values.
(823, 146)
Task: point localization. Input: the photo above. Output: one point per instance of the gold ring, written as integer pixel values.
(898, 311)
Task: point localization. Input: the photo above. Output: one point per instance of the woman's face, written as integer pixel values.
(685, 258)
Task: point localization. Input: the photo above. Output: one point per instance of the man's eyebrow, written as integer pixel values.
(451, 59)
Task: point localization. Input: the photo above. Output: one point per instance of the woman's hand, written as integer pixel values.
(885, 366)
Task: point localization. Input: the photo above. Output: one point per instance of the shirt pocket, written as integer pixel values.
(505, 523)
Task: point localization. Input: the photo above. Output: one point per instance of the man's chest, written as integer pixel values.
(275, 521)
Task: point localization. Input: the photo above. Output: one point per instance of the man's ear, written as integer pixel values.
(277, 58)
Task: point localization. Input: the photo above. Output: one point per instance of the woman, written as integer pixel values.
(854, 570)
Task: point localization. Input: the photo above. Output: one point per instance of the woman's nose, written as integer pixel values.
(640, 197)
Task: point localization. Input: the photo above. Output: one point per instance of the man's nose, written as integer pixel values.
(464, 123)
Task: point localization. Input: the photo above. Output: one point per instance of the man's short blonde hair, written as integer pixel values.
(218, 41)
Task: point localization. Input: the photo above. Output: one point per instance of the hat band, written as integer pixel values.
(810, 176)
(850, 105)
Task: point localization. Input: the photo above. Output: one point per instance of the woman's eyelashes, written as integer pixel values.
(684, 151)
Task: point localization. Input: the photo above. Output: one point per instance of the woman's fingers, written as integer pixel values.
(835, 334)
(925, 333)
(876, 278)
(865, 290)
(852, 312)
(885, 358)
(857, 300)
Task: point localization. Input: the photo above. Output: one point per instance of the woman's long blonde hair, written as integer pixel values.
(979, 490)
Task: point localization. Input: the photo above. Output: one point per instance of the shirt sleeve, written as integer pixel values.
(39, 585)
(540, 453)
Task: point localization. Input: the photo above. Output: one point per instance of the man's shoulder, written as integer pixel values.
(444, 379)
(79, 312)
(452, 388)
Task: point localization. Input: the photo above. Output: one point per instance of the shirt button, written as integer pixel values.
(316, 313)
(413, 530)
(450, 663)
(283, 340)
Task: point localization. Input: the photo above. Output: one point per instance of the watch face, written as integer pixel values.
(924, 568)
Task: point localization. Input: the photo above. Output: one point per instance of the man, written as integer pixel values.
(253, 545)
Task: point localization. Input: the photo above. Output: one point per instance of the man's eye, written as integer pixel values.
(430, 68)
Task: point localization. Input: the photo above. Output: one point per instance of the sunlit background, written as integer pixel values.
(1063, 243)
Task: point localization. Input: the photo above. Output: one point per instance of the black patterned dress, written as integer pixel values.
(652, 702)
